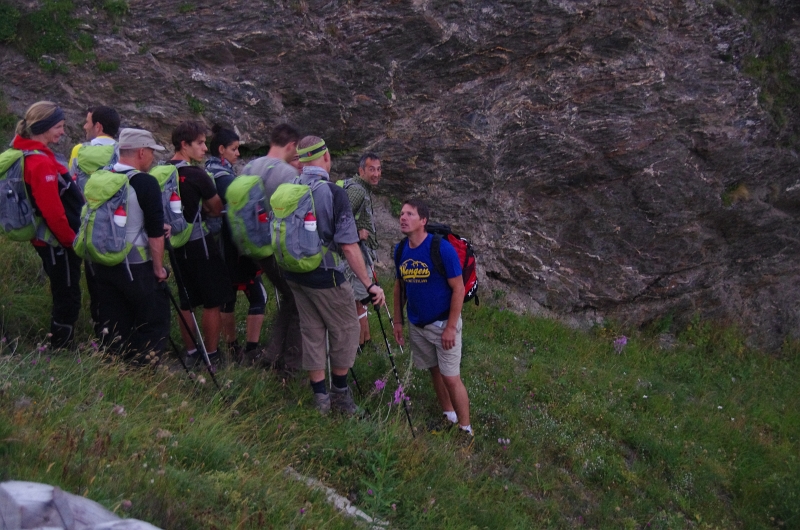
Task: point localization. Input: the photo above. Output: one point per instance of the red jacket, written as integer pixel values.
(41, 174)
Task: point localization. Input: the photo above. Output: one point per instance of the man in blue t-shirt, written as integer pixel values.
(434, 309)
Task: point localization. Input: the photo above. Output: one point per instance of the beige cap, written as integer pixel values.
(138, 138)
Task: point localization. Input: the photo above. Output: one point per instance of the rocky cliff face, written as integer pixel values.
(608, 159)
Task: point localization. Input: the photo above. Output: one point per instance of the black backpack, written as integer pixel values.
(465, 252)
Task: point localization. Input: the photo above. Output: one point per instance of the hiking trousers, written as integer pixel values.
(285, 342)
(63, 268)
(134, 311)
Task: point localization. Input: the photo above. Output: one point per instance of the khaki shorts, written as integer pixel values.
(359, 291)
(330, 310)
(427, 351)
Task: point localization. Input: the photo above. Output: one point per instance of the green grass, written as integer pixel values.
(771, 67)
(47, 30)
(704, 435)
(772, 71)
(107, 66)
(117, 8)
(9, 18)
(8, 120)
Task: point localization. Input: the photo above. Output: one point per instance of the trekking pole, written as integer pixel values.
(388, 313)
(394, 369)
(355, 380)
(172, 342)
(328, 357)
(198, 339)
(191, 336)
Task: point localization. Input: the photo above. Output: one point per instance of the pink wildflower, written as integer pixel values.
(399, 395)
(380, 384)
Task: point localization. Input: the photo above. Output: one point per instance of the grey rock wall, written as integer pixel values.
(608, 159)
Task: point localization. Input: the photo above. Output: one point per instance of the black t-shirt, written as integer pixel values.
(196, 185)
(148, 194)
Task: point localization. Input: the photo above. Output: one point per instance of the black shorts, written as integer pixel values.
(204, 275)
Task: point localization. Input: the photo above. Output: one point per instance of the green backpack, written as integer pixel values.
(293, 227)
(17, 218)
(100, 239)
(248, 216)
(167, 177)
(89, 159)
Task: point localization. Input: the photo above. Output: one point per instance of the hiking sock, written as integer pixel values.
(451, 416)
(250, 346)
(319, 387)
(339, 381)
(466, 428)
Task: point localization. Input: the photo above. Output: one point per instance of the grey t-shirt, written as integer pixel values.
(273, 171)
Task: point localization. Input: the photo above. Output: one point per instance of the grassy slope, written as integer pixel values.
(714, 444)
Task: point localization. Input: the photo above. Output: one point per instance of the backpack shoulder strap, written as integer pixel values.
(398, 251)
(436, 255)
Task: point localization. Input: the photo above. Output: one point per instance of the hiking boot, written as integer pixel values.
(322, 402)
(342, 400)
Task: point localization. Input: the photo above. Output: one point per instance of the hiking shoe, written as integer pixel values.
(322, 402)
(465, 439)
(342, 400)
(247, 358)
(440, 425)
(191, 360)
(216, 361)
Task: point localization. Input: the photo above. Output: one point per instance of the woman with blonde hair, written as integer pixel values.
(57, 203)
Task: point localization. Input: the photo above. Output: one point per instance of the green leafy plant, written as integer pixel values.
(395, 206)
(195, 105)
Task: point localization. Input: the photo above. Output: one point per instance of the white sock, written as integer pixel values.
(467, 428)
(451, 415)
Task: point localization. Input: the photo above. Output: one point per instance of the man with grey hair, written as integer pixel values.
(359, 191)
(324, 298)
(132, 303)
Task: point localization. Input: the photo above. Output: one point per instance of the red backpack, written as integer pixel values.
(465, 253)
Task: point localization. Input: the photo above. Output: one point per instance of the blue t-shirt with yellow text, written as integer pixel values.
(427, 292)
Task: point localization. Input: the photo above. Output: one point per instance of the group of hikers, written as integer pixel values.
(125, 217)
